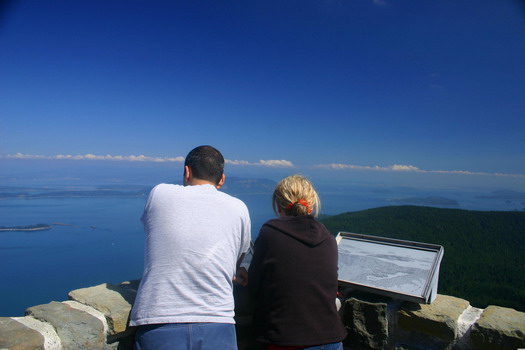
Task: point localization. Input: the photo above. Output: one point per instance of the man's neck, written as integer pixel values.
(197, 182)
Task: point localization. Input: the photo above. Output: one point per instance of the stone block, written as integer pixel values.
(52, 341)
(113, 300)
(499, 328)
(437, 320)
(365, 318)
(77, 329)
(16, 336)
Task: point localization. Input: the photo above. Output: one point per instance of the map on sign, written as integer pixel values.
(400, 269)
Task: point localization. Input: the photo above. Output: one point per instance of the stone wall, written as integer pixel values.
(92, 318)
(97, 318)
(448, 323)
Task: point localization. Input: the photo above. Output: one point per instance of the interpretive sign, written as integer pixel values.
(395, 268)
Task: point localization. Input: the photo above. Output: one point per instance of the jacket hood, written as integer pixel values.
(305, 229)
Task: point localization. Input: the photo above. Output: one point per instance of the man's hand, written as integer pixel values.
(241, 277)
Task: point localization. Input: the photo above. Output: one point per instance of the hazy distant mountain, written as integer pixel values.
(73, 194)
(233, 185)
(484, 260)
(236, 185)
(506, 195)
(432, 201)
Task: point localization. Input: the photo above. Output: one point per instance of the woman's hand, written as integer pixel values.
(241, 277)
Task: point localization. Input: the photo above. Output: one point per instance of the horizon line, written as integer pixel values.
(270, 163)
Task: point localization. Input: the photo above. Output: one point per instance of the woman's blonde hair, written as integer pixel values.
(295, 195)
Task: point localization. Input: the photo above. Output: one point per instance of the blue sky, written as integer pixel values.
(409, 89)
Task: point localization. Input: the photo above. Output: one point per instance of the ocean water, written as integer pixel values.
(98, 240)
(102, 241)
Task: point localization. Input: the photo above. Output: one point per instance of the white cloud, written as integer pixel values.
(89, 156)
(143, 158)
(398, 167)
(280, 163)
(409, 168)
(237, 162)
(276, 163)
(395, 167)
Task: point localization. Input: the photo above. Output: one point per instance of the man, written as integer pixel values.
(196, 237)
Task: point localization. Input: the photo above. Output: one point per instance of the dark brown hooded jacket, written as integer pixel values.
(293, 276)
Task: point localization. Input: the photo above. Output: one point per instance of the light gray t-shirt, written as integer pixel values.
(194, 237)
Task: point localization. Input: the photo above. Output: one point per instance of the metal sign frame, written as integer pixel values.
(394, 268)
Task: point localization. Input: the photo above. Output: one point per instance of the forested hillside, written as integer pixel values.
(484, 260)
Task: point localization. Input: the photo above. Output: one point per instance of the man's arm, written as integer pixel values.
(241, 274)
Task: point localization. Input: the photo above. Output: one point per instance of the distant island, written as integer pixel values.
(76, 194)
(37, 227)
(431, 201)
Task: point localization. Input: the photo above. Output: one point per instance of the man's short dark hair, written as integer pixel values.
(206, 163)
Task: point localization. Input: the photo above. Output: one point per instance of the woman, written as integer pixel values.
(293, 274)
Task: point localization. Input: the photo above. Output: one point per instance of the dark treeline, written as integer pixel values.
(484, 259)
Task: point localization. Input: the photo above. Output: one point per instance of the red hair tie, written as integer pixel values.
(300, 201)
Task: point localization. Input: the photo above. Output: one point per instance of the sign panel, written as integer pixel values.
(395, 268)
